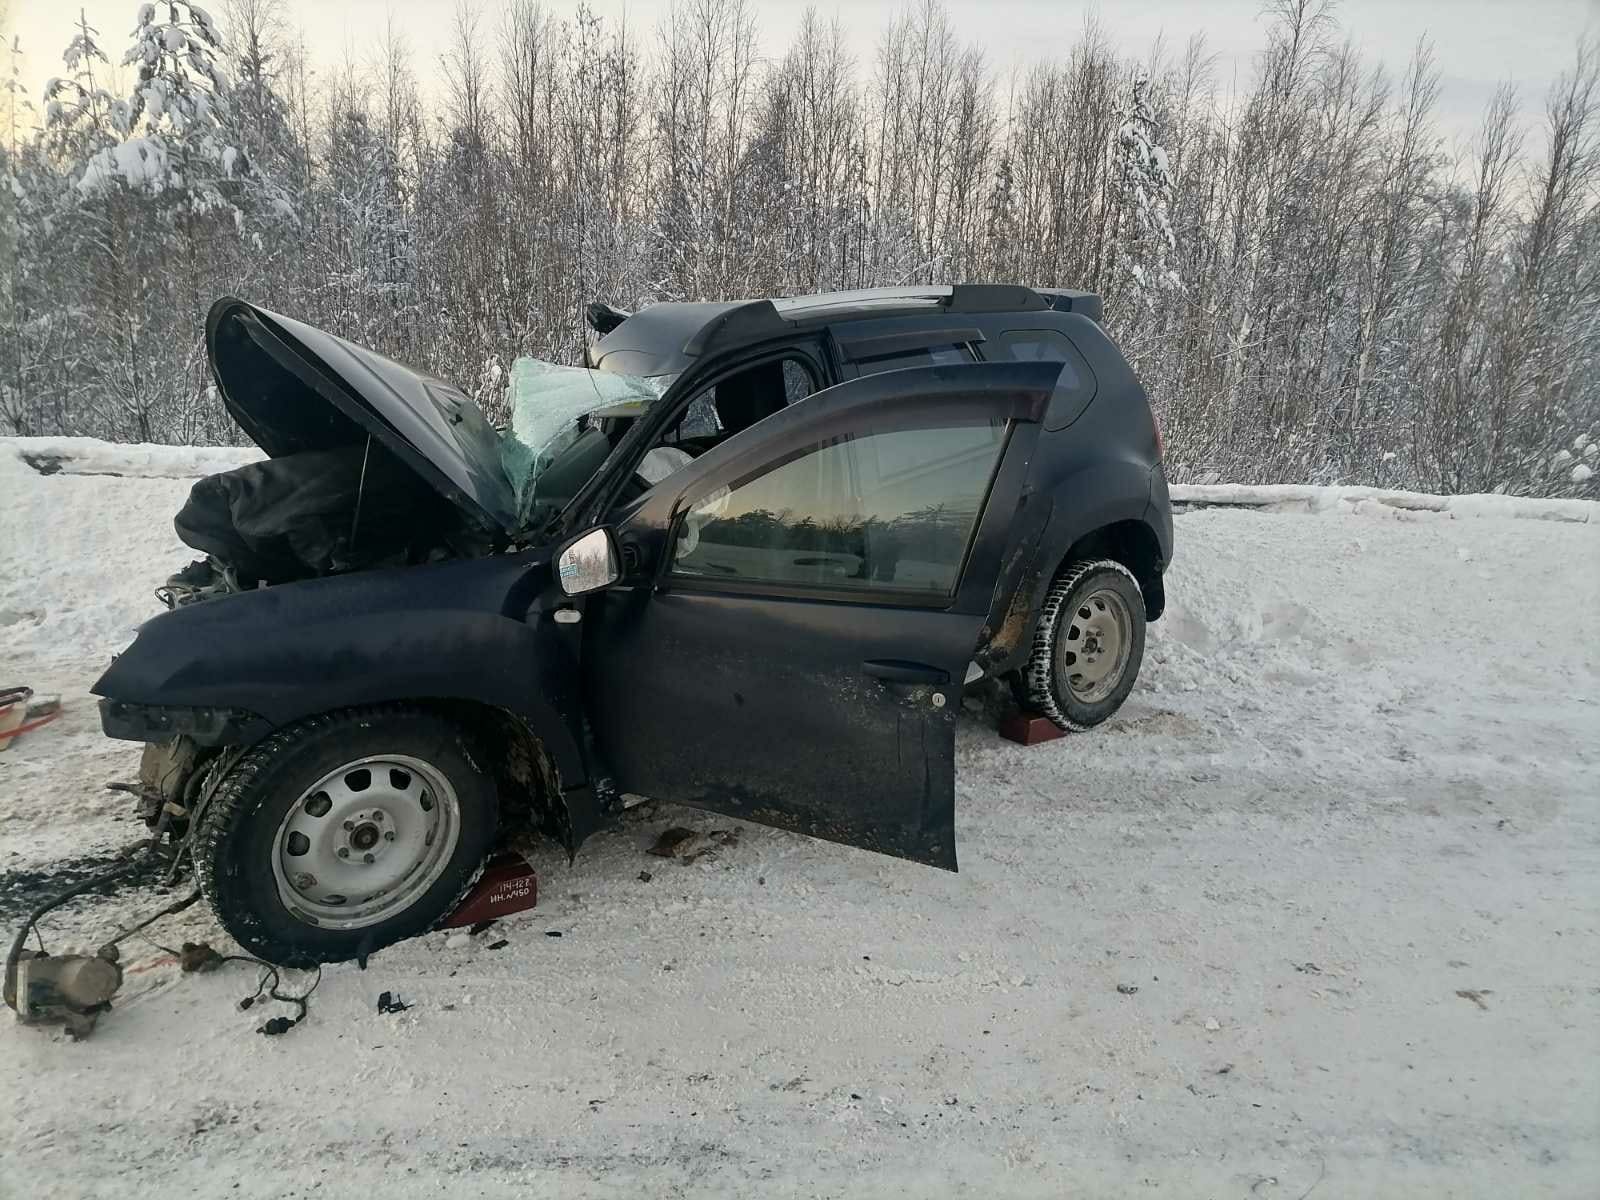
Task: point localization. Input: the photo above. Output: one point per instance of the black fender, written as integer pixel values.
(1090, 496)
(1103, 493)
(476, 631)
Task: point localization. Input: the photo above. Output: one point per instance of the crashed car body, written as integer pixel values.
(869, 500)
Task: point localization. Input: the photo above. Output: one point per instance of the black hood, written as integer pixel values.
(292, 388)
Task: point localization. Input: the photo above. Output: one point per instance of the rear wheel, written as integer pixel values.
(1087, 646)
(345, 833)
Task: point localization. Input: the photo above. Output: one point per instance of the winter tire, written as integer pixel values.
(345, 833)
(1087, 646)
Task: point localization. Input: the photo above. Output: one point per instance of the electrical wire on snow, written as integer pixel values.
(131, 859)
(271, 981)
(131, 862)
(169, 910)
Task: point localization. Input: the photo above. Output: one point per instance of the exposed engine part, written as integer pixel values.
(203, 579)
(72, 990)
(169, 778)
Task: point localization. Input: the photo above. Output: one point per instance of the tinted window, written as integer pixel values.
(925, 356)
(879, 512)
(1076, 386)
(761, 388)
(1034, 345)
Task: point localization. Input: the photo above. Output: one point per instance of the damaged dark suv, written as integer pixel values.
(744, 560)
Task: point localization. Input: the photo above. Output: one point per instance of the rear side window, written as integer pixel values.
(923, 356)
(1077, 384)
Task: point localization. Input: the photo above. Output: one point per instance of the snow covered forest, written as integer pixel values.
(1315, 284)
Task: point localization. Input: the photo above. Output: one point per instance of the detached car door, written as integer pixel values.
(798, 607)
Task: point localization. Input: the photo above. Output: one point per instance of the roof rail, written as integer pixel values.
(755, 320)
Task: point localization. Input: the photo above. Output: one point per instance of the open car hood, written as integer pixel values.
(293, 387)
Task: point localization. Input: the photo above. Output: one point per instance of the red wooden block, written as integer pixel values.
(508, 885)
(1029, 729)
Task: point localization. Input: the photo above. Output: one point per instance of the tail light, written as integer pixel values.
(1161, 442)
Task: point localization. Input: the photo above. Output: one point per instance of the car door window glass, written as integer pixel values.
(923, 356)
(739, 400)
(888, 511)
(700, 418)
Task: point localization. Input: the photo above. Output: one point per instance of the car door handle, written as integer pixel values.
(892, 670)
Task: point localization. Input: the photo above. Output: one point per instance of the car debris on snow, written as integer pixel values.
(1294, 854)
(690, 845)
(198, 956)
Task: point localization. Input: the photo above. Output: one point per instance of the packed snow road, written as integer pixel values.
(1317, 911)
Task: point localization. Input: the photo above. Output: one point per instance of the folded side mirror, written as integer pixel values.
(587, 563)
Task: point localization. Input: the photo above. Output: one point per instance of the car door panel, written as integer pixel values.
(765, 687)
(825, 704)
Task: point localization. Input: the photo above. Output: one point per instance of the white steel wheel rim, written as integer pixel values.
(366, 841)
(1095, 643)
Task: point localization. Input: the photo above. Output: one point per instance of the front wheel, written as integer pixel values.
(345, 833)
(1087, 646)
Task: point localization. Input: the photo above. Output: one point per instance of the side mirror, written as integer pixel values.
(587, 563)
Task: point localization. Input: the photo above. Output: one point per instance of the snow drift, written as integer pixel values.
(1318, 905)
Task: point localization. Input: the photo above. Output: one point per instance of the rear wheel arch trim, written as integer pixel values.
(1126, 538)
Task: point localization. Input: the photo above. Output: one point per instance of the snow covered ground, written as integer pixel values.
(1343, 841)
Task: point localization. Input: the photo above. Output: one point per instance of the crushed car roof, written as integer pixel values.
(667, 338)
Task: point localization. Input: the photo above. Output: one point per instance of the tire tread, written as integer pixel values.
(1039, 673)
(232, 799)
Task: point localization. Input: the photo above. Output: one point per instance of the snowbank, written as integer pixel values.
(89, 456)
(1284, 497)
(138, 460)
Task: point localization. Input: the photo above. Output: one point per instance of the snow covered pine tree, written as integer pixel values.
(1145, 256)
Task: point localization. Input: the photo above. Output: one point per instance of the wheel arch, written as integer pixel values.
(1130, 542)
(1124, 538)
(526, 773)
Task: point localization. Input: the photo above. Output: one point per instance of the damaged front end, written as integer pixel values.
(371, 464)
(173, 776)
(384, 571)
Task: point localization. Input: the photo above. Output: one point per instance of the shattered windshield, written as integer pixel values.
(553, 407)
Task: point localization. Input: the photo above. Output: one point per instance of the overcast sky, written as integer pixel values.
(1477, 42)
